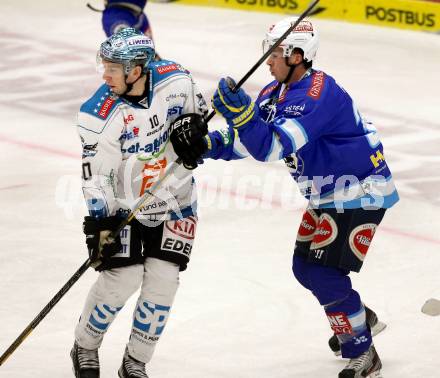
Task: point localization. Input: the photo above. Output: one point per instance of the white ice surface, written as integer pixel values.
(239, 312)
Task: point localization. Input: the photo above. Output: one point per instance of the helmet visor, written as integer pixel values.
(267, 44)
(105, 66)
(277, 53)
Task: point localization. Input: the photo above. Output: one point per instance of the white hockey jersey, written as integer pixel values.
(126, 147)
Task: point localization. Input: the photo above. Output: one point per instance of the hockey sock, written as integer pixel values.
(348, 322)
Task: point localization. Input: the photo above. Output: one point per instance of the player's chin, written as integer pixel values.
(275, 76)
(116, 90)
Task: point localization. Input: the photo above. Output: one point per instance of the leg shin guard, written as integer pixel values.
(161, 280)
(106, 298)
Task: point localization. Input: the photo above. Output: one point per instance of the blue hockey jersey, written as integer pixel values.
(330, 150)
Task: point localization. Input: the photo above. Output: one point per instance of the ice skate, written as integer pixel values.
(85, 362)
(368, 364)
(131, 368)
(373, 322)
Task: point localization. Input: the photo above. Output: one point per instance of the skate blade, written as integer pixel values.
(377, 328)
(375, 374)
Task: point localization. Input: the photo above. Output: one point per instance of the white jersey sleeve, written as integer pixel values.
(100, 130)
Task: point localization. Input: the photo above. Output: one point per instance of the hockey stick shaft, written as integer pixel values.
(33, 324)
(76, 276)
(270, 51)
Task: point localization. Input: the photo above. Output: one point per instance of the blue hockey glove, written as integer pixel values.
(236, 107)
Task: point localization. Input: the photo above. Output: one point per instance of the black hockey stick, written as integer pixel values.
(44, 312)
(142, 201)
(270, 51)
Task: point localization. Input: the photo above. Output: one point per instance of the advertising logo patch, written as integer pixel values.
(186, 228)
(339, 323)
(360, 239)
(151, 173)
(106, 106)
(169, 68)
(125, 235)
(178, 236)
(295, 164)
(317, 85)
(400, 16)
(304, 27)
(128, 119)
(102, 315)
(307, 227)
(150, 317)
(140, 41)
(89, 150)
(175, 110)
(130, 134)
(325, 233)
(267, 90)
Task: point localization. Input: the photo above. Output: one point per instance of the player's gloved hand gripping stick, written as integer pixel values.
(142, 201)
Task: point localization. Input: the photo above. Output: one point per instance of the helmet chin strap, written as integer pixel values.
(138, 98)
(292, 67)
(129, 85)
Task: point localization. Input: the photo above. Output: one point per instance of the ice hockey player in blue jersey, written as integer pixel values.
(307, 119)
(125, 130)
(123, 14)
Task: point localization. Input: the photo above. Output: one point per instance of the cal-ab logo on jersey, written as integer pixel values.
(149, 148)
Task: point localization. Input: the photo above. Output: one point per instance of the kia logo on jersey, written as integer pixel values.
(185, 228)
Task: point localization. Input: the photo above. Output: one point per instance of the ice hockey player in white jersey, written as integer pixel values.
(125, 132)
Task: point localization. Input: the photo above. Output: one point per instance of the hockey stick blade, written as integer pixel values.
(431, 307)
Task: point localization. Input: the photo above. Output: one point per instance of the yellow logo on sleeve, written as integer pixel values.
(377, 159)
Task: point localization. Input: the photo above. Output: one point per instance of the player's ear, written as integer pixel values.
(136, 72)
(140, 70)
(296, 58)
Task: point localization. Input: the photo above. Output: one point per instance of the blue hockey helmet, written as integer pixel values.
(128, 47)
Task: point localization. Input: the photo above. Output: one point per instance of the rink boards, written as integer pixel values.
(402, 14)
